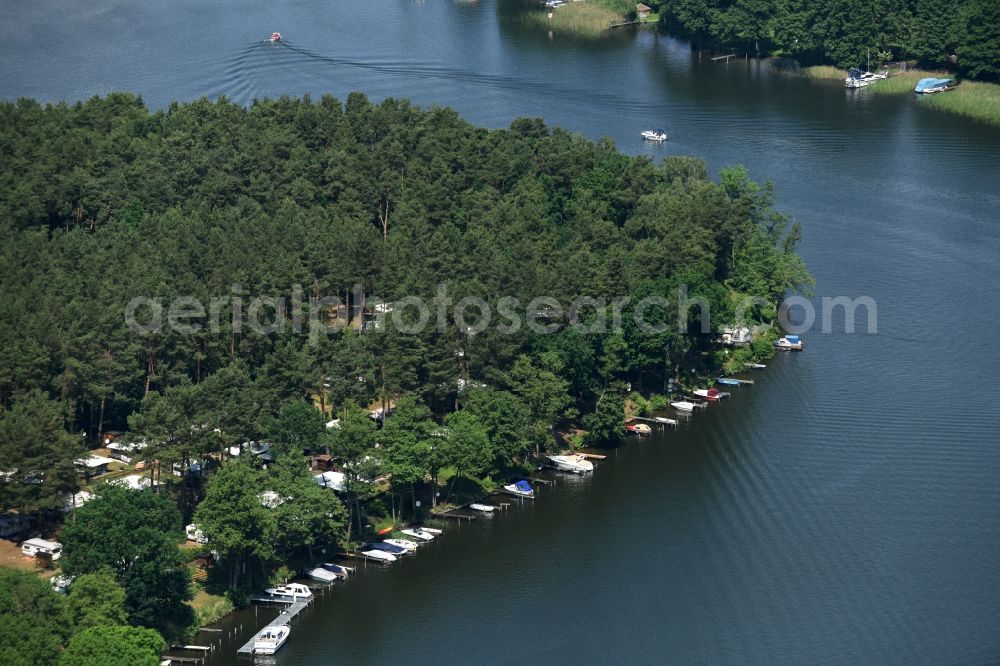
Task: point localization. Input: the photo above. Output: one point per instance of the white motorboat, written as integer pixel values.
(859, 79)
(271, 639)
(379, 555)
(422, 533)
(758, 366)
(521, 489)
(654, 135)
(338, 570)
(429, 530)
(321, 575)
(665, 421)
(404, 543)
(482, 508)
(573, 463)
(711, 394)
(789, 343)
(290, 592)
(686, 405)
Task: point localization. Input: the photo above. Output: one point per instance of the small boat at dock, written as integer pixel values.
(654, 135)
(859, 79)
(379, 555)
(429, 530)
(789, 343)
(712, 394)
(411, 546)
(727, 381)
(482, 508)
(757, 366)
(271, 639)
(573, 463)
(665, 421)
(289, 593)
(522, 489)
(338, 570)
(687, 405)
(422, 533)
(640, 429)
(321, 575)
(390, 548)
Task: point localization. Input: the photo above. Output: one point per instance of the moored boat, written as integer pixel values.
(857, 78)
(712, 394)
(932, 85)
(757, 366)
(422, 533)
(271, 639)
(411, 546)
(573, 463)
(727, 381)
(290, 592)
(379, 555)
(338, 570)
(321, 575)
(789, 343)
(390, 548)
(522, 489)
(429, 530)
(665, 421)
(482, 508)
(640, 429)
(687, 405)
(654, 135)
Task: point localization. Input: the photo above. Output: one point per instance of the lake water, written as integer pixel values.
(843, 510)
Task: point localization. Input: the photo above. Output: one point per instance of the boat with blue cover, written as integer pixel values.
(389, 548)
(727, 381)
(522, 489)
(932, 85)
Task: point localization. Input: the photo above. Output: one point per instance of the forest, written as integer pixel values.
(960, 35)
(358, 203)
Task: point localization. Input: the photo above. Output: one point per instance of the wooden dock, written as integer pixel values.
(285, 617)
(662, 422)
(724, 57)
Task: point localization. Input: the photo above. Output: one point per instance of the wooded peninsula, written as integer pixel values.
(357, 204)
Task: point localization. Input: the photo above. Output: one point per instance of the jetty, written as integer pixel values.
(285, 617)
(724, 57)
(661, 421)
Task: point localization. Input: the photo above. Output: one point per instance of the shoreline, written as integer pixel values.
(976, 100)
(434, 519)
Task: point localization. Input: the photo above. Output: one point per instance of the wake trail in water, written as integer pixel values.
(491, 81)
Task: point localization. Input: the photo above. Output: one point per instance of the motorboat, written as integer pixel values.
(275, 37)
(338, 570)
(379, 555)
(422, 533)
(654, 135)
(932, 85)
(522, 489)
(482, 508)
(789, 343)
(856, 78)
(727, 381)
(271, 639)
(757, 366)
(387, 547)
(711, 394)
(430, 530)
(411, 546)
(290, 592)
(665, 421)
(640, 429)
(687, 405)
(573, 463)
(321, 575)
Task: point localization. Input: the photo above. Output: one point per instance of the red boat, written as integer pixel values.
(638, 428)
(275, 37)
(713, 394)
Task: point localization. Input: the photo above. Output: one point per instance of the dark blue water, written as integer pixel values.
(843, 510)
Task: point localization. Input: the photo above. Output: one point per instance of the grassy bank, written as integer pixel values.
(581, 19)
(972, 99)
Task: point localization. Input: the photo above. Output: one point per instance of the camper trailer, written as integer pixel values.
(35, 547)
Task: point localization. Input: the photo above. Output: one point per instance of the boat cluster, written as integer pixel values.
(390, 550)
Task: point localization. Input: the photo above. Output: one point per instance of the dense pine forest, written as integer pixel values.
(961, 35)
(310, 204)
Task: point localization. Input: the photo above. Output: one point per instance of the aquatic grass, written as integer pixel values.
(581, 19)
(977, 100)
